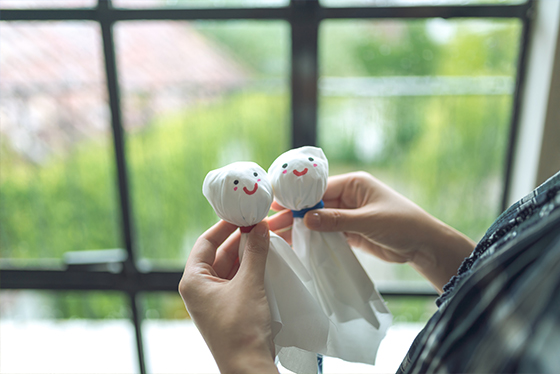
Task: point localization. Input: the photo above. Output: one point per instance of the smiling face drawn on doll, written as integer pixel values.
(297, 172)
(245, 189)
(240, 193)
(245, 179)
(299, 177)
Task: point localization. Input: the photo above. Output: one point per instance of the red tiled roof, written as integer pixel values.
(52, 78)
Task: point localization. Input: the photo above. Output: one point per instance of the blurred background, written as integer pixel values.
(424, 104)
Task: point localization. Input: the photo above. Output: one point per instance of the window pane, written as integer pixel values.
(68, 332)
(172, 341)
(424, 106)
(30, 4)
(380, 3)
(199, 3)
(196, 96)
(56, 182)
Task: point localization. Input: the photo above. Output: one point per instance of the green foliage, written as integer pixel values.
(377, 48)
(69, 203)
(444, 152)
(164, 305)
(411, 309)
(404, 48)
(262, 46)
(64, 205)
(482, 48)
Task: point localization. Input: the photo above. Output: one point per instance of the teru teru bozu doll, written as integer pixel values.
(241, 194)
(344, 290)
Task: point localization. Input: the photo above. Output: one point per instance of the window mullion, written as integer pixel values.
(130, 271)
(516, 105)
(305, 71)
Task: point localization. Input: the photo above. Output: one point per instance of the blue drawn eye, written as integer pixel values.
(285, 166)
(236, 182)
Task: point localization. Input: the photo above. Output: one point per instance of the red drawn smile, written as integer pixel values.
(300, 173)
(251, 192)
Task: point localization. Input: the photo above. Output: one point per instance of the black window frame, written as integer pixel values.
(304, 18)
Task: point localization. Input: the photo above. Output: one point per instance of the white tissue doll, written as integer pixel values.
(344, 290)
(241, 194)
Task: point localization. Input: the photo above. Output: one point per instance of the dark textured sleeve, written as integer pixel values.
(502, 313)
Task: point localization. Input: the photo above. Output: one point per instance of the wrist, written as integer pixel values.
(442, 252)
(248, 361)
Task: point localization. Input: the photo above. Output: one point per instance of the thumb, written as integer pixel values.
(255, 253)
(333, 220)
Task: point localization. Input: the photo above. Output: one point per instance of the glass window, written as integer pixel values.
(30, 4)
(68, 332)
(196, 96)
(172, 341)
(57, 188)
(199, 3)
(424, 106)
(381, 3)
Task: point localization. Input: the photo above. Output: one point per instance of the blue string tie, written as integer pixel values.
(301, 213)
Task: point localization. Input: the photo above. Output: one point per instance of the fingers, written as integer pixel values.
(227, 256)
(335, 187)
(276, 207)
(349, 190)
(255, 253)
(348, 220)
(281, 224)
(281, 220)
(204, 250)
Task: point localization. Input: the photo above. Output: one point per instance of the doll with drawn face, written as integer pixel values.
(241, 194)
(300, 175)
(344, 290)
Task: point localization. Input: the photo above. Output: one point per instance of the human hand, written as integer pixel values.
(227, 300)
(380, 221)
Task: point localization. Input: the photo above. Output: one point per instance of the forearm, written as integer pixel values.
(441, 252)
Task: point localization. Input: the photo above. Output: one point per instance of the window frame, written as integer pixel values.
(304, 18)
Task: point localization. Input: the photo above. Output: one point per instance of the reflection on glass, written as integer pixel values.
(199, 3)
(68, 332)
(383, 3)
(196, 96)
(425, 107)
(31, 4)
(56, 182)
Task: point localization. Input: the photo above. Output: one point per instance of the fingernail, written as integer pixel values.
(314, 220)
(261, 229)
